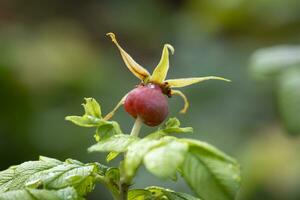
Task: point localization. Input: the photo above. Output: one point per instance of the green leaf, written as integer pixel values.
(136, 152)
(210, 173)
(108, 129)
(171, 126)
(170, 194)
(289, 100)
(84, 121)
(92, 108)
(269, 62)
(164, 160)
(113, 177)
(116, 143)
(92, 116)
(111, 155)
(68, 193)
(158, 193)
(50, 173)
(139, 194)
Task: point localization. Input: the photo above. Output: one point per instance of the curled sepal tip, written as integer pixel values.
(182, 82)
(160, 72)
(186, 102)
(137, 70)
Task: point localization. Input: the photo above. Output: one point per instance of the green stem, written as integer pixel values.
(124, 182)
(136, 127)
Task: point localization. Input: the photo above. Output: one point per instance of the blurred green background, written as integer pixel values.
(54, 53)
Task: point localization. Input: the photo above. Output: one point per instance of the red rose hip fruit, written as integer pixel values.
(147, 102)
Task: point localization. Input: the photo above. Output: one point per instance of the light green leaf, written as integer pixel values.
(158, 193)
(50, 173)
(210, 173)
(92, 114)
(85, 121)
(269, 62)
(164, 160)
(111, 155)
(108, 129)
(92, 107)
(140, 194)
(116, 143)
(68, 193)
(171, 126)
(136, 152)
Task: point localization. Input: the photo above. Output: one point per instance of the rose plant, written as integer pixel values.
(209, 172)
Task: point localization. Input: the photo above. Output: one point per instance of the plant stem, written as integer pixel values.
(136, 127)
(124, 182)
(124, 191)
(114, 192)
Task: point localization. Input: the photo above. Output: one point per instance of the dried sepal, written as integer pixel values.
(111, 113)
(137, 70)
(182, 82)
(160, 72)
(186, 102)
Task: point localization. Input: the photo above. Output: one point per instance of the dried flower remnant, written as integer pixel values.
(148, 99)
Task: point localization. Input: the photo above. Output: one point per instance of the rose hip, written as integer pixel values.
(147, 102)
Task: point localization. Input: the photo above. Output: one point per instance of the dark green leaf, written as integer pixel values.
(50, 173)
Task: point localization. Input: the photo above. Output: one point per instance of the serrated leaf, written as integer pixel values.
(68, 193)
(210, 173)
(158, 193)
(116, 143)
(92, 108)
(171, 126)
(91, 117)
(48, 173)
(164, 160)
(136, 153)
(108, 129)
